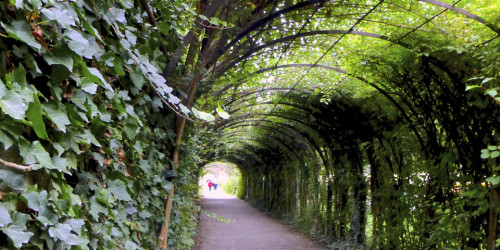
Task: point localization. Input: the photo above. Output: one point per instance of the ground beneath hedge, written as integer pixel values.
(248, 227)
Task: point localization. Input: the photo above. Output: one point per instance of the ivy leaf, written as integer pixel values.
(157, 102)
(4, 216)
(88, 86)
(21, 31)
(96, 208)
(99, 158)
(59, 15)
(223, 114)
(131, 37)
(13, 106)
(76, 41)
(86, 25)
(130, 245)
(37, 154)
(88, 137)
(76, 225)
(173, 99)
(37, 201)
(60, 56)
(491, 92)
(202, 17)
(47, 217)
(130, 130)
(184, 109)
(19, 4)
(203, 115)
(117, 14)
(34, 115)
(160, 81)
(6, 140)
(60, 164)
(118, 66)
(119, 189)
(11, 180)
(82, 44)
(214, 21)
(145, 215)
(115, 232)
(96, 76)
(485, 155)
(144, 165)
(493, 180)
(17, 230)
(137, 79)
(3, 89)
(495, 154)
(58, 115)
(487, 80)
(19, 74)
(63, 232)
(84, 242)
(164, 28)
(130, 209)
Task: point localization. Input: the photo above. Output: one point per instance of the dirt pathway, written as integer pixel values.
(248, 228)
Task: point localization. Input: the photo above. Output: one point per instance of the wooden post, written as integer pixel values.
(163, 237)
(494, 226)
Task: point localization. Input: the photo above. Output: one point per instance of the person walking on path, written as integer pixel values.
(210, 185)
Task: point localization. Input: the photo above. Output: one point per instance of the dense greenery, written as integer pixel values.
(400, 150)
(364, 123)
(235, 185)
(82, 112)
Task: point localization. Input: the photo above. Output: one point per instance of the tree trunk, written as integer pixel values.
(163, 237)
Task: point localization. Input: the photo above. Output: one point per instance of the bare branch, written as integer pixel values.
(15, 165)
(295, 36)
(456, 9)
(463, 12)
(209, 12)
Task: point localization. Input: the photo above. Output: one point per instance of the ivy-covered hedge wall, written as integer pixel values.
(84, 129)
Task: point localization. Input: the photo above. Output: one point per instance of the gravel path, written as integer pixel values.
(248, 228)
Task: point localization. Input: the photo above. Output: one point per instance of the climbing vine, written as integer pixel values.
(86, 128)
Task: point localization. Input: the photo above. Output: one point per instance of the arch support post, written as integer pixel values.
(494, 226)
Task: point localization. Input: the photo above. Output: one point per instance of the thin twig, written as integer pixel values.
(483, 43)
(153, 22)
(173, 108)
(15, 165)
(211, 26)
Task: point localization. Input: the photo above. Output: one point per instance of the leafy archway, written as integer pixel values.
(325, 105)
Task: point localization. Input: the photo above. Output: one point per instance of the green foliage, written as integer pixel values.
(218, 218)
(423, 146)
(401, 122)
(81, 104)
(229, 186)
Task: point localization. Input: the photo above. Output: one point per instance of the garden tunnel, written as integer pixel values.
(362, 133)
(366, 124)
